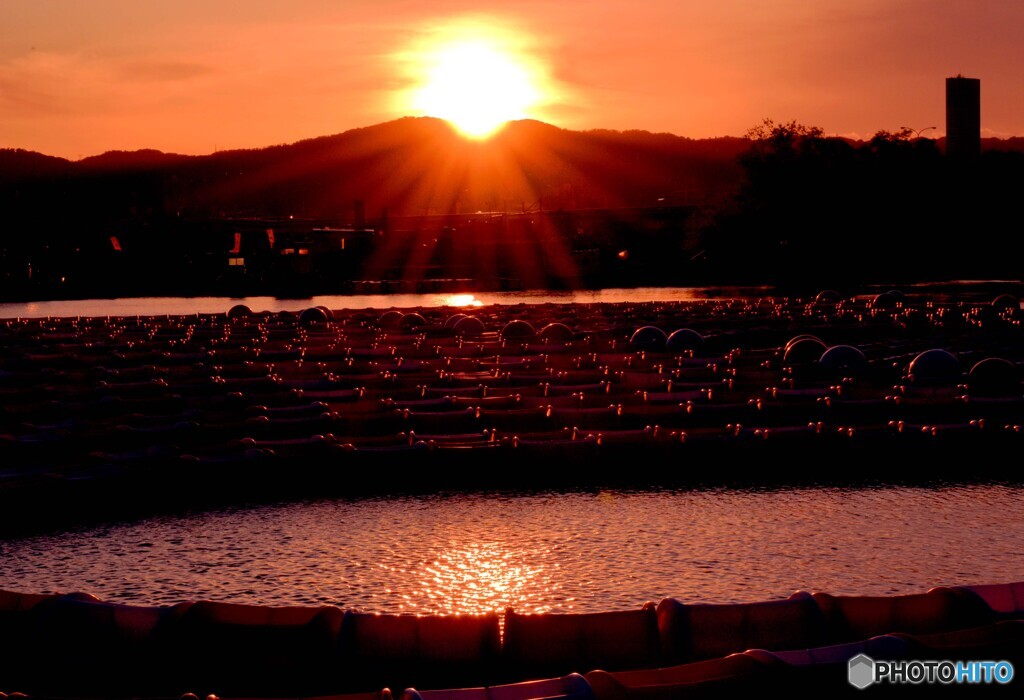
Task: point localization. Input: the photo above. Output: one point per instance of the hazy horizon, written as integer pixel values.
(314, 137)
(143, 148)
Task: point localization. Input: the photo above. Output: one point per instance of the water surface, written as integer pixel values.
(158, 306)
(551, 551)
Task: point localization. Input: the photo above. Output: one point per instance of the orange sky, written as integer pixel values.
(78, 78)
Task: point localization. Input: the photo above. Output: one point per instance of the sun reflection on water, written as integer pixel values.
(475, 578)
(546, 552)
(460, 300)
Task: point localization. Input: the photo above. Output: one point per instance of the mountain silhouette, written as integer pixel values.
(409, 166)
(423, 166)
(414, 165)
(19, 165)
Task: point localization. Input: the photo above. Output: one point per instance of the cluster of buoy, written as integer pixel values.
(219, 393)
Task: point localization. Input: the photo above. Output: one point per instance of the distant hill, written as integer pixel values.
(1014, 143)
(413, 165)
(420, 165)
(407, 166)
(17, 164)
(130, 160)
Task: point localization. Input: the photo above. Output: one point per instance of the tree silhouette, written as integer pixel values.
(818, 210)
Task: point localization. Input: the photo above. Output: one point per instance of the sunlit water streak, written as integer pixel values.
(556, 552)
(158, 306)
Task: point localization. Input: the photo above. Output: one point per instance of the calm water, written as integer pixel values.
(983, 290)
(542, 552)
(158, 306)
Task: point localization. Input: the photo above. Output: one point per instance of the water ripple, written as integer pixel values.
(557, 552)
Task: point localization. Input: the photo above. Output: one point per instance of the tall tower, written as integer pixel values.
(963, 117)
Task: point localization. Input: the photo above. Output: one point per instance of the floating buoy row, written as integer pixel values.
(247, 393)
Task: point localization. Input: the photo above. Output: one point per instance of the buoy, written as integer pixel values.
(239, 311)
(843, 359)
(518, 329)
(648, 338)
(684, 339)
(934, 367)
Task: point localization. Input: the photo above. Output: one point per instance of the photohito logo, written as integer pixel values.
(863, 671)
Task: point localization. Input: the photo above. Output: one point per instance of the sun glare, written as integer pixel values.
(461, 300)
(477, 83)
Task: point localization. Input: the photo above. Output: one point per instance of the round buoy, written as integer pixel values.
(313, 315)
(412, 321)
(800, 351)
(1006, 301)
(518, 329)
(843, 359)
(452, 320)
(684, 339)
(885, 300)
(239, 311)
(470, 327)
(994, 377)
(390, 319)
(558, 332)
(935, 367)
(797, 338)
(648, 338)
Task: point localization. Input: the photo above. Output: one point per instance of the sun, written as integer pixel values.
(476, 84)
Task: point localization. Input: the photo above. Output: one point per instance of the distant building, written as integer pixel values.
(963, 117)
